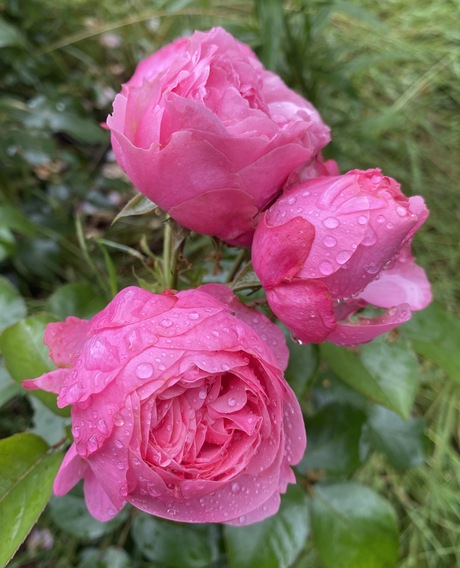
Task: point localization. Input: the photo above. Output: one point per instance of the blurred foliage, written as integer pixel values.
(385, 76)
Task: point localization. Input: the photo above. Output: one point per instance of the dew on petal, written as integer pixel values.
(236, 487)
(144, 371)
(102, 426)
(331, 222)
(193, 316)
(166, 323)
(329, 241)
(118, 419)
(362, 220)
(326, 268)
(380, 219)
(92, 444)
(231, 402)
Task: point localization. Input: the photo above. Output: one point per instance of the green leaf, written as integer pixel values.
(334, 440)
(275, 542)
(353, 526)
(47, 424)
(386, 373)
(7, 243)
(110, 557)
(301, 371)
(435, 334)
(10, 36)
(271, 17)
(14, 219)
(402, 441)
(27, 357)
(176, 545)
(75, 299)
(27, 472)
(138, 205)
(71, 515)
(12, 305)
(329, 389)
(8, 388)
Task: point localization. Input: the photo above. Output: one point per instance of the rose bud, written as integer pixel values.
(209, 135)
(179, 407)
(333, 245)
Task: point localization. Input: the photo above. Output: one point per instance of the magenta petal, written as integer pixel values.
(98, 502)
(73, 468)
(279, 252)
(50, 382)
(305, 307)
(365, 330)
(66, 340)
(405, 283)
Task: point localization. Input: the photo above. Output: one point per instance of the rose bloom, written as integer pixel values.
(179, 407)
(331, 246)
(208, 134)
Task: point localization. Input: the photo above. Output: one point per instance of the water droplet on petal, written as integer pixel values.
(120, 465)
(329, 241)
(242, 519)
(331, 222)
(236, 487)
(401, 211)
(118, 419)
(362, 219)
(118, 443)
(225, 367)
(193, 316)
(102, 426)
(166, 323)
(343, 256)
(231, 402)
(326, 268)
(380, 219)
(92, 444)
(161, 367)
(202, 394)
(215, 333)
(76, 432)
(292, 200)
(144, 371)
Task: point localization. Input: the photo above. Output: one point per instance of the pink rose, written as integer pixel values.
(331, 246)
(209, 135)
(179, 406)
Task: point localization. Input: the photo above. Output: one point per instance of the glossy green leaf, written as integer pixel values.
(75, 299)
(27, 472)
(353, 526)
(14, 219)
(12, 305)
(176, 545)
(7, 243)
(71, 515)
(386, 373)
(301, 371)
(275, 542)
(138, 205)
(334, 440)
(435, 334)
(47, 424)
(8, 388)
(27, 357)
(402, 441)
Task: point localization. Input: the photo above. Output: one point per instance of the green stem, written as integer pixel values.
(236, 265)
(167, 252)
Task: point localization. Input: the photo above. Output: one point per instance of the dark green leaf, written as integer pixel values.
(70, 514)
(27, 357)
(333, 440)
(329, 389)
(303, 362)
(271, 16)
(110, 557)
(176, 545)
(386, 373)
(47, 424)
(27, 472)
(275, 542)
(12, 306)
(16, 220)
(435, 334)
(353, 527)
(401, 440)
(7, 243)
(75, 299)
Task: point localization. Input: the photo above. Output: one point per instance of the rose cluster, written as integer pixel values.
(178, 400)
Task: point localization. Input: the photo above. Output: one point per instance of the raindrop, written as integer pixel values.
(326, 268)
(166, 323)
(92, 444)
(371, 268)
(161, 367)
(102, 426)
(225, 367)
(231, 402)
(305, 194)
(401, 211)
(380, 219)
(202, 394)
(242, 519)
(76, 431)
(118, 443)
(331, 222)
(215, 333)
(193, 316)
(236, 487)
(144, 371)
(120, 465)
(329, 241)
(292, 200)
(362, 220)
(118, 420)
(343, 256)
(73, 393)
